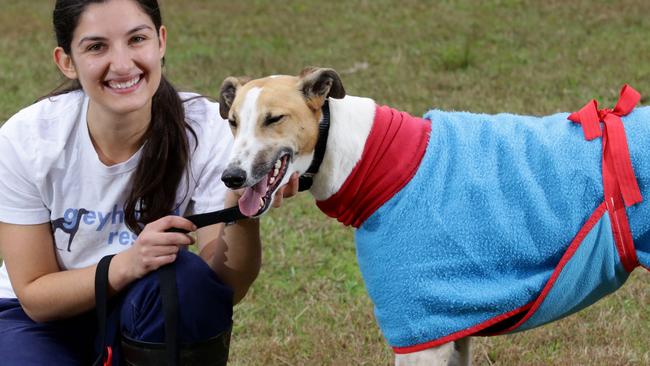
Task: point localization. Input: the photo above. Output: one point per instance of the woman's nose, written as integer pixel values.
(121, 60)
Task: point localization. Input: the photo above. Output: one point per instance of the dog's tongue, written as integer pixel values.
(249, 203)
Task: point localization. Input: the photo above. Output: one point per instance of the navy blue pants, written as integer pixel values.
(205, 305)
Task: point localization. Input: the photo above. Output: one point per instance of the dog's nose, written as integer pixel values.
(233, 177)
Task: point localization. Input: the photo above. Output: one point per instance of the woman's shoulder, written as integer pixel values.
(200, 107)
(212, 132)
(48, 115)
(202, 113)
(38, 134)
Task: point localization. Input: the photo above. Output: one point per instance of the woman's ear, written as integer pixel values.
(64, 62)
(162, 41)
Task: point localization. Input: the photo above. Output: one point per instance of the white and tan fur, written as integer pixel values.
(297, 100)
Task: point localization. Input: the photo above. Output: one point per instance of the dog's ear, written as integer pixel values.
(227, 93)
(317, 84)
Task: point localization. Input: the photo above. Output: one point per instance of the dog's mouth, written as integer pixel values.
(257, 199)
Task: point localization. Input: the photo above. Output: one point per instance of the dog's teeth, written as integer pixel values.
(276, 172)
(261, 202)
(271, 180)
(278, 164)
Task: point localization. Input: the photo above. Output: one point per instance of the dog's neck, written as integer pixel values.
(351, 119)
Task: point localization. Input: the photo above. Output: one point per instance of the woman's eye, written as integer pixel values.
(95, 47)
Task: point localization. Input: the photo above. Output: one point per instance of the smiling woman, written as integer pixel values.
(113, 55)
(104, 167)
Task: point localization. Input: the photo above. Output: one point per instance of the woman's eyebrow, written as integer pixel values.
(91, 39)
(139, 28)
(98, 38)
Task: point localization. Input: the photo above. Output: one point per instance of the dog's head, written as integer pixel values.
(275, 123)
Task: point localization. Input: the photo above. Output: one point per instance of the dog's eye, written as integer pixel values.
(272, 119)
(232, 122)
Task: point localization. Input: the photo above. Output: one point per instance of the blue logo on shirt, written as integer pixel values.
(73, 218)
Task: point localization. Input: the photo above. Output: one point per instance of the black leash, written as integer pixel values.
(226, 215)
(167, 279)
(169, 297)
(168, 291)
(101, 309)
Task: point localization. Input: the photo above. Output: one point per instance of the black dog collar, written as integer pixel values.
(306, 180)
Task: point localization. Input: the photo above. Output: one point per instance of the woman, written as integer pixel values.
(107, 166)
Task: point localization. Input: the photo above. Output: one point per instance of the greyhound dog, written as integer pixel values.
(467, 224)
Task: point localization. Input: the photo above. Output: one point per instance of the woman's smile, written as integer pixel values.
(124, 85)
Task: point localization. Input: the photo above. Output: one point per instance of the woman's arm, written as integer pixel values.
(234, 252)
(46, 293)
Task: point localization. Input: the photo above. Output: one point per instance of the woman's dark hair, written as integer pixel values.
(165, 154)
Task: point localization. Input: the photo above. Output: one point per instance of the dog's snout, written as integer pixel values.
(233, 177)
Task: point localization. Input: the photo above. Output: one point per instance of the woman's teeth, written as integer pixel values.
(124, 85)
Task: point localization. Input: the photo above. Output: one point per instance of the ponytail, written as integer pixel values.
(165, 156)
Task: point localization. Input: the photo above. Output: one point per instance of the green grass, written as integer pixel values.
(309, 306)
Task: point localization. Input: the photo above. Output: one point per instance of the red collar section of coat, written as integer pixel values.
(391, 156)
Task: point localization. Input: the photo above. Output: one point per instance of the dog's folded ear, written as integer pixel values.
(227, 93)
(320, 83)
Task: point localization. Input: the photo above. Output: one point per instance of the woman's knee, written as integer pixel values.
(205, 303)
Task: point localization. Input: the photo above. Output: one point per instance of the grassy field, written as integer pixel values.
(309, 305)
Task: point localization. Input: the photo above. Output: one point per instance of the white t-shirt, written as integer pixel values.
(50, 172)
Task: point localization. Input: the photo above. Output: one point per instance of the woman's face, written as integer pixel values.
(116, 54)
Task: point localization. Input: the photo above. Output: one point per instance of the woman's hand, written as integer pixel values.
(155, 247)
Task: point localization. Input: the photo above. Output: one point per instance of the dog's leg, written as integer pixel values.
(449, 354)
(464, 351)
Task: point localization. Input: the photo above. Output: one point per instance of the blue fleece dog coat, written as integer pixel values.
(503, 226)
